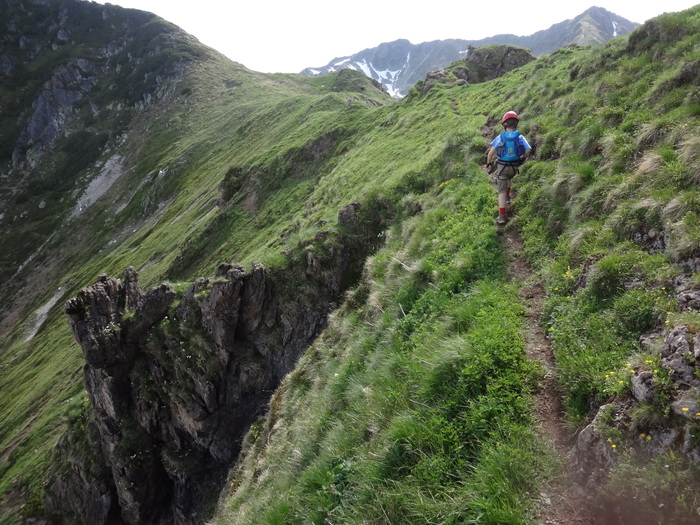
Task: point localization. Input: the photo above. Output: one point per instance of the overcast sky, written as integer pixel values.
(287, 36)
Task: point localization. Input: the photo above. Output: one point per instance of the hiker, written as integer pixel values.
(511, 148)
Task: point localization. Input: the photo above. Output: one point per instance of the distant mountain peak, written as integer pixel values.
(398, 65)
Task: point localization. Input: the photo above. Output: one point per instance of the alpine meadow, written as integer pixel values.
(241, 298)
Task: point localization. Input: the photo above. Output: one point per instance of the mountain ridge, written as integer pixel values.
(399, 65)
(367, 223)
(109, 113)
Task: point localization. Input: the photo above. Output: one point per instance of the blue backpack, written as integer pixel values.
(510, 150)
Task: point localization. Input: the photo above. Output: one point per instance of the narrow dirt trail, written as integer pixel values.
(559, 506)
(559, 502)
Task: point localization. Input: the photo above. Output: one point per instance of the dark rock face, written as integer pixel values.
(88, 491)
(484, 64)
(174, 385)
(70, 83)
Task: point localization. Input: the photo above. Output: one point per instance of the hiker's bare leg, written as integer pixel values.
(502, 218)
(503, 187)
(501, 200)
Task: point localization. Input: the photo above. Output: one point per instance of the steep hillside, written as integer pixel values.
(414, 406)
(128, 143)
(108, 102)
(363, 224)
(75, 76)
(400, 64)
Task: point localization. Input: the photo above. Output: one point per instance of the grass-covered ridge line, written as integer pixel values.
(608, 214)
(414, 403)
(168, 194)
(613, 196)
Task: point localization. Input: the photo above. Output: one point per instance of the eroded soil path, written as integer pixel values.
(559, 503)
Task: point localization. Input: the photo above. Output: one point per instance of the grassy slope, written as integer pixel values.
(413, 404)
(416, 395)
(410, 337)
(180, 159)
(398, 414)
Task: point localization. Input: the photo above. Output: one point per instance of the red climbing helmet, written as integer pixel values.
(509, 115)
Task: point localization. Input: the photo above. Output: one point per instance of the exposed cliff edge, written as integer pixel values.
(175, 380)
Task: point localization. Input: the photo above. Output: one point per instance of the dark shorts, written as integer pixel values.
(504, 173)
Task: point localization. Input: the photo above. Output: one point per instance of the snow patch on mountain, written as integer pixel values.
(388, 77)
(400, 64)
(366, 69)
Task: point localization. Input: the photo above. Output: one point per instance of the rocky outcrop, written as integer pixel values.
(488, 63)
(175, 382)
(480, 65)
(69, 84)
(675, 377)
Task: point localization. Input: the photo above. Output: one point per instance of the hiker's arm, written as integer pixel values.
(489, 156)
(528, 148)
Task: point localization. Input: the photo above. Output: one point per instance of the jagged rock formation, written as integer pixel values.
(171, 403)
(399, 65)
(175, 383)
